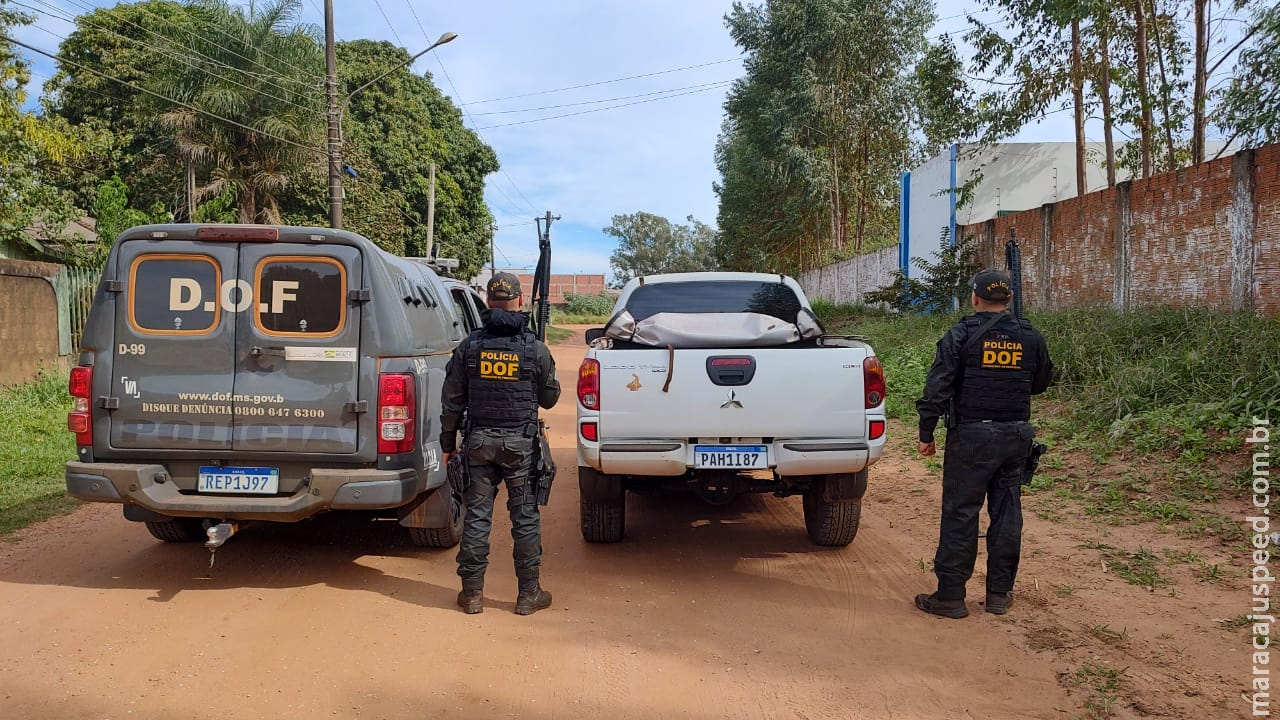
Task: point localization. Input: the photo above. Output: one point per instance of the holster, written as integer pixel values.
(458, 471)
(1033, 461)
(543, 470)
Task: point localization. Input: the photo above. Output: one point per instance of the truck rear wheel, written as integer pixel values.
(832, 523)
(177, 530)
(442, 537)
(604, 506)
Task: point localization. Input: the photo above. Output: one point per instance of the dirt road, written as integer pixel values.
(702, 612)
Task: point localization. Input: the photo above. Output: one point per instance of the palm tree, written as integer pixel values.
(251, 107)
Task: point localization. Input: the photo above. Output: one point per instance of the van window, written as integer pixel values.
(301, 296)
(462, 306)
(172, 294)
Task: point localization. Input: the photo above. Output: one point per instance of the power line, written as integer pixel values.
(271, 77)
(475, 126)
(139, 88)
(596, 110)
(614, 99)
(426, 37)
(606, 82)
(390, 25)
(171, 55)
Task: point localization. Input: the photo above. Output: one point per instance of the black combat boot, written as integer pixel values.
(999, 603)
(954, 609)
(471, 601)
(533, 600)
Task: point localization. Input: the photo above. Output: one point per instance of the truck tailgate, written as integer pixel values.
(811, 392)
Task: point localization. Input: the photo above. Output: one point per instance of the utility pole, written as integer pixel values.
(431, 210)
(191, 190)
(335, 127)
(493, 255)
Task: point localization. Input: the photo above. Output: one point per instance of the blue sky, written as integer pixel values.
(653, 154)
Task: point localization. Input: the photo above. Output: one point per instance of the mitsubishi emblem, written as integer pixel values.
(732, 402)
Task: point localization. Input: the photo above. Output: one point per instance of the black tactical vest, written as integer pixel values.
(500, 377)
(994, 382)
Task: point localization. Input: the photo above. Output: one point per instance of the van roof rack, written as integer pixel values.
(442, 266)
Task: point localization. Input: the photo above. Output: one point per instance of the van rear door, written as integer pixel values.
(297, 349)
(172, 368)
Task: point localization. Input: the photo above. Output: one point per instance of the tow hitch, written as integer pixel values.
(219, 534)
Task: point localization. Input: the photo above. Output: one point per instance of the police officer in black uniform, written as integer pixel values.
(498, 377)
(986, 369)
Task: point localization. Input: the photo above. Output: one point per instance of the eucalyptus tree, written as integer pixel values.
(818, 130)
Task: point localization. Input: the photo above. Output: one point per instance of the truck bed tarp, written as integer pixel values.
(712, 330)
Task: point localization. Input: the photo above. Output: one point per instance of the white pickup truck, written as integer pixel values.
(723, 383)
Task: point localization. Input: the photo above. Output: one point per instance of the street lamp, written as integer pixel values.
(447, 37)
(335, 112)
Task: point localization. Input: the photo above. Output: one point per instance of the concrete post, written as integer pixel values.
(1123, 218)
(1242, 218)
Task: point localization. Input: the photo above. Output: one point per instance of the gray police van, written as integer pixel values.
(235, 373)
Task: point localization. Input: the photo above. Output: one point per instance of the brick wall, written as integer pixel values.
(1206, 236)
(1265, 285)
(561, 285)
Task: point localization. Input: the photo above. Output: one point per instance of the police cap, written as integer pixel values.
(503, 286)
(993, 285)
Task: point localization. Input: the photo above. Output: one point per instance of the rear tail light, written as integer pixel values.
(396, 411)
(590, 431)
(80, 419)
(589, 384)
(873, 381)
(877, 430)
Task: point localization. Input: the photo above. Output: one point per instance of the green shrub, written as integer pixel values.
(589, 305)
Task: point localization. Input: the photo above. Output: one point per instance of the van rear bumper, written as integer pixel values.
(149, 486)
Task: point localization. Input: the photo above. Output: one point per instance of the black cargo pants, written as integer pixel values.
(983, 460)
(496, 456)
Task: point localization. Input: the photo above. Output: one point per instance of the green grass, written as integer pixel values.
(560, 317)
(1103, 684)
(33, 452)
(557, 335)
(1136, 568)
(1154, 403)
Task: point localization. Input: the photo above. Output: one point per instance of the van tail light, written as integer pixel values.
(590, 431)
(876, 430)
(873, 381)
(589, 384)
(397, 412)
(80, 419)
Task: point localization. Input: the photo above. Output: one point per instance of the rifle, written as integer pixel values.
(1013, 258)
(543, 471)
